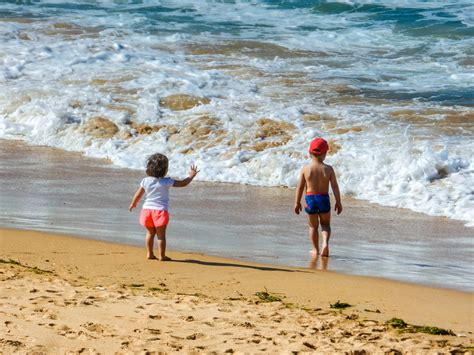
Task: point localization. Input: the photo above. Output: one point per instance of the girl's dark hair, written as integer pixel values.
(157, 165)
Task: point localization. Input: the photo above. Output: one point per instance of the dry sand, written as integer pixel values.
(70, 295)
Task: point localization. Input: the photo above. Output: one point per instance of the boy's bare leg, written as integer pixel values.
(313, 233)
(325, 220)
(150, 236)
(161, 234)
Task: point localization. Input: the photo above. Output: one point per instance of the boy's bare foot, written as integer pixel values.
(325, 251)
(323, 265)
(165, 258)
(151, 257)
(314, 253)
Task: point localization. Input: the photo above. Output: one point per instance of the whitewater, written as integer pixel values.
(241, 87)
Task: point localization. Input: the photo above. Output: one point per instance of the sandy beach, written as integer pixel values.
(91, 89)
(70, 295)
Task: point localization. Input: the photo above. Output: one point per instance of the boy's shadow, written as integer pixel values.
(214, 263)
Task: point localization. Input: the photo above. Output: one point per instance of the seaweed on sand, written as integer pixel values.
(401, 325)
(266, 296)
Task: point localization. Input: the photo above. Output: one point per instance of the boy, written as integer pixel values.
(316, 177)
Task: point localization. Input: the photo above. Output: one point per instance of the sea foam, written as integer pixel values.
(261, 81)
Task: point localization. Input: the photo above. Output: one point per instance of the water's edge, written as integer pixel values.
(51, 190)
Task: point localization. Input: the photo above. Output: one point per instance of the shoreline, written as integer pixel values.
(229, 260)
(39, 267)
(237, 221)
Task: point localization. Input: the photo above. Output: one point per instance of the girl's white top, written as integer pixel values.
(156, 192)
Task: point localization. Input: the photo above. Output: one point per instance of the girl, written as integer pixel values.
(154, 215)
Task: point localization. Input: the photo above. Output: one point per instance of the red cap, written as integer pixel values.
(318, 146)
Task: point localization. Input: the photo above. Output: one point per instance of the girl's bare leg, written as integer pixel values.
(161, 234)
(313, 233)
(150, 235)
(325, 220)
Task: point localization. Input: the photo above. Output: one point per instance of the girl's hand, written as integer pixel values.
(132, 206)
(193, 171)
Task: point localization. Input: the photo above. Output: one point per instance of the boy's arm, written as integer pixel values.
(335, 190)
(136, 198)
(185, 182)
(299, 192)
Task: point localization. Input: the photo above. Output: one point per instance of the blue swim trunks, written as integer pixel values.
(317, 203)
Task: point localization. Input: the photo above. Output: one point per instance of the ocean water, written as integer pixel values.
(241, 87)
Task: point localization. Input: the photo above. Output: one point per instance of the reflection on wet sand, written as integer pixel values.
(319, 263)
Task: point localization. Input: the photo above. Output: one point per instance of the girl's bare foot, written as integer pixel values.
(151, 257)
(325, 251)
(165, 258)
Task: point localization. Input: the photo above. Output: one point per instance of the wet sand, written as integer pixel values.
(69, 295)
(51, 190)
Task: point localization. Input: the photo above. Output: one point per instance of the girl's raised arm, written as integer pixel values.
(185, 182)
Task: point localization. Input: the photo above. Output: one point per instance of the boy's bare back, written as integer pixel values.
(317, 177)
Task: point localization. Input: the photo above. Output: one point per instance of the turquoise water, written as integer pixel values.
(418, 35)
(389, 83)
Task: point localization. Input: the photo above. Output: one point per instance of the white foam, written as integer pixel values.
(49, 92)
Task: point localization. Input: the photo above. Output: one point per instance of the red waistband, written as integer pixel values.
(316, 193)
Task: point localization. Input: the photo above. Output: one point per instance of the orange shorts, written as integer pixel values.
(154, 218)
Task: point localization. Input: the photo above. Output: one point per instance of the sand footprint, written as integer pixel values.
(16, 344)
(195, 336)
(67, 332)
(98, 328)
